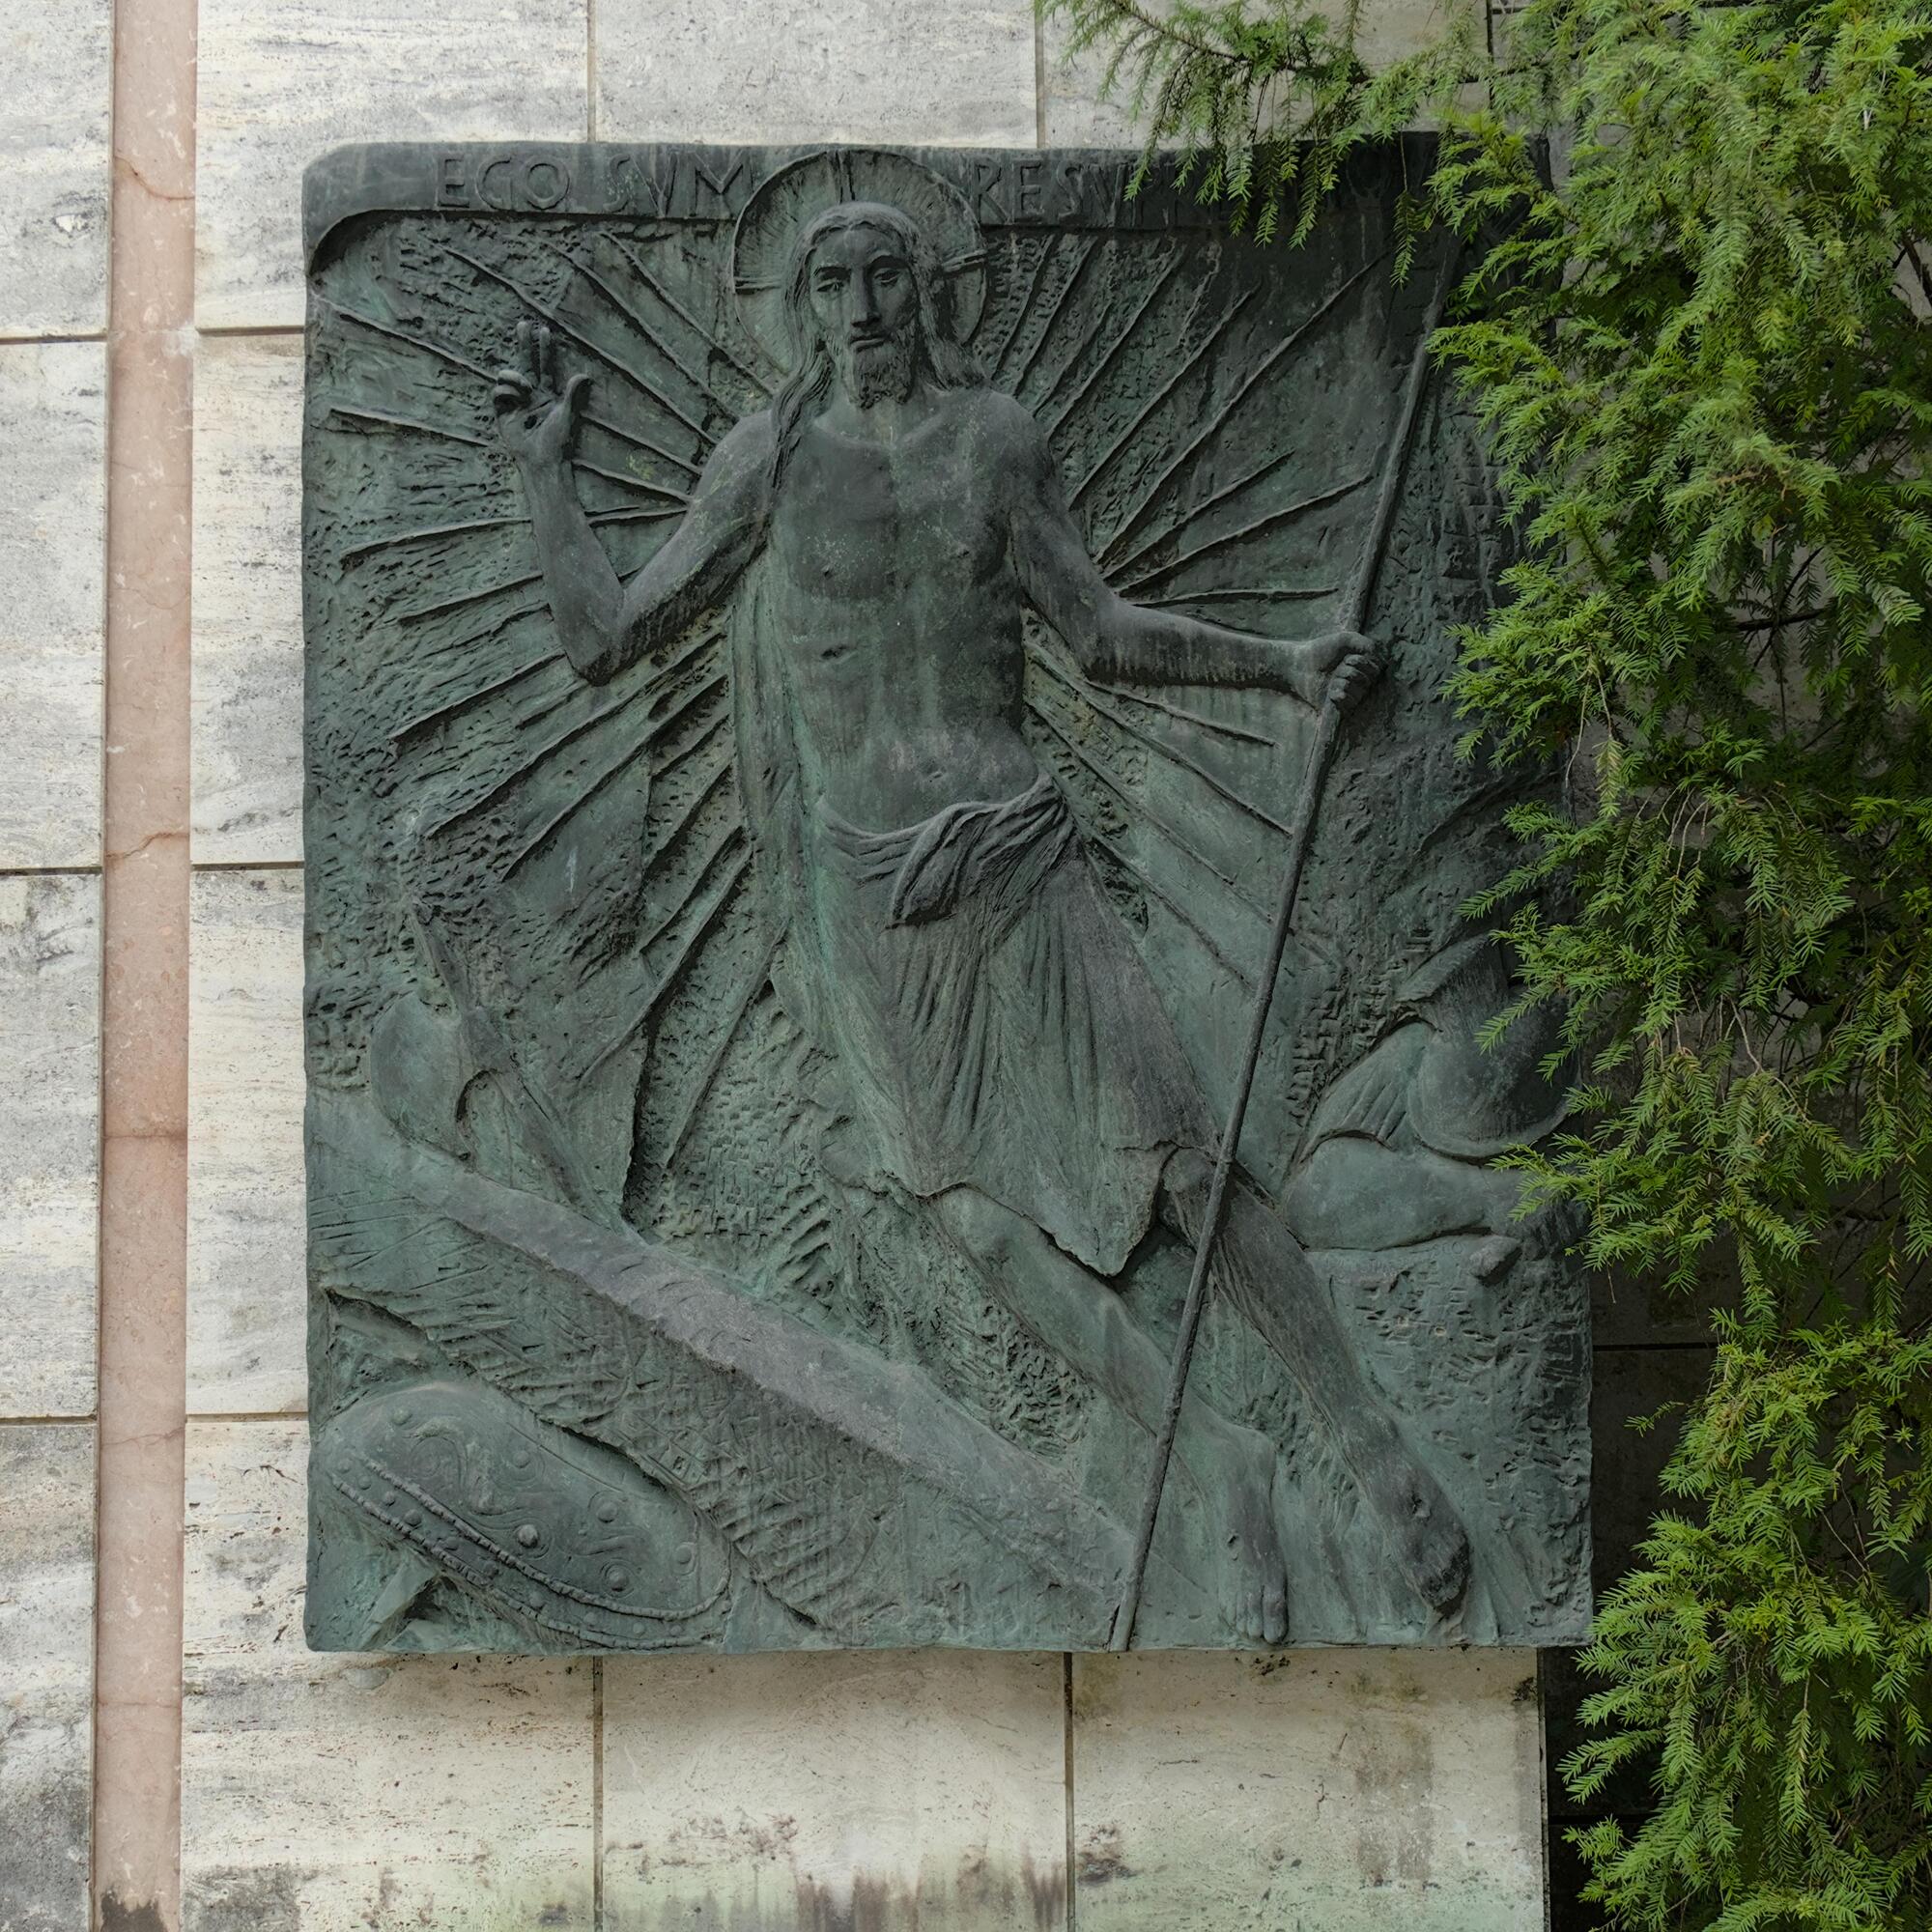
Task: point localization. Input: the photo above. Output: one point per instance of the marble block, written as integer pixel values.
(1351, 1790)
(325, 1793)
(54, 167)
(46, 1673)
(903, 1789)
(49, 1141)
(247, 600)
(244, 1189)
(53, 565)
(281, 81)
(775, 72)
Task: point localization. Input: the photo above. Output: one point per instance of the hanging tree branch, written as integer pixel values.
(1703, 358)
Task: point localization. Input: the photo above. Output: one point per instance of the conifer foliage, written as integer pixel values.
(1704, 359)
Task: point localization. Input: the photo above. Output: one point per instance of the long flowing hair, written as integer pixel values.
(943, 361)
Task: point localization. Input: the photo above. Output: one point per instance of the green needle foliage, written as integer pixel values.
(1704, 359)
(1266, 102)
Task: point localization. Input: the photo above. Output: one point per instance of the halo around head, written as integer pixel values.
(790, 200)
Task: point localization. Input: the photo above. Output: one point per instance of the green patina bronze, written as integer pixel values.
(822, 667)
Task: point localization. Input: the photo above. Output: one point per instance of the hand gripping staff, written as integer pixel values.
(1301, 828)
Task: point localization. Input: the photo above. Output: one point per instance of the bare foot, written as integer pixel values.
(1428, 1538)
(1261, 1602)
(1217, 1527)
(1232, 1473)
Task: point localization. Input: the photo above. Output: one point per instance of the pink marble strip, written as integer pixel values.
(144, 1006)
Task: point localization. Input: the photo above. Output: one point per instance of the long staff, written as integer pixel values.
(1301, 829)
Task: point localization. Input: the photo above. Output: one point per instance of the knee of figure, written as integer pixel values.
(845, 1155)
(1187, 1179)
(982, 1225)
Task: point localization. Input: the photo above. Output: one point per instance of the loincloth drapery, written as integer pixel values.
(996, 1025)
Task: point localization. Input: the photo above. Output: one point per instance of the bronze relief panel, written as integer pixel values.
(861, 706)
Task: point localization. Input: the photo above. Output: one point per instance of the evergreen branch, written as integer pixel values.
(1703, 359)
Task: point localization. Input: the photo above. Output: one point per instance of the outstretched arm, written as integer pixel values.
(1130, 643)
(603, 624)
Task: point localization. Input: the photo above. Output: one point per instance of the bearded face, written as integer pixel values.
(881, 371)
(866, 305)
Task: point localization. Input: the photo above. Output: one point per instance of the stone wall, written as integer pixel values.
(179, 1759)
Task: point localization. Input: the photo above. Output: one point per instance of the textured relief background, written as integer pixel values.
(1335, 1789)
(541, 917)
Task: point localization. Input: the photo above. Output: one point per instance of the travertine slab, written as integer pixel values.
(1344, 1790)
(248, 600)
(903, 1789)
(775, 72)
(245, 1263)
(55, 166)
(47, 1665)
(281, 81)
(52, 564)
(49, 1135)
(321, 1794)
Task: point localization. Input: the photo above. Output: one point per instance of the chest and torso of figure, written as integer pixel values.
(899, 608)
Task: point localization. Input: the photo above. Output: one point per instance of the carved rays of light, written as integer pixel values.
(995, 362)
(502, 782)
(1289, 512)
(1095, 727)
(1217, 420)
(1239, 734)
(1085, 252)
(688, 690)
(712, 340)
(1138, 808)
(631, 295)
(1078, 379)
(389, 422)
(366, 419)
(1141, 874)
(430, 532)
(1090, 694)
(642, 417)
(738, 1010)
(1126, 438)
(588, 342)
(627, 753)
(453, 707)
(429, 345)
(632, 306)
(549, 769)
(650, 314)
(689, 942)
(1100, 367)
